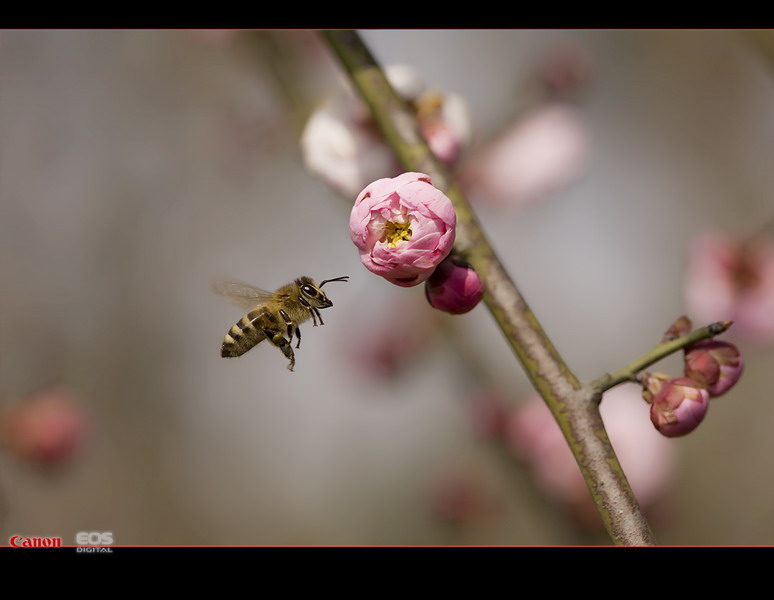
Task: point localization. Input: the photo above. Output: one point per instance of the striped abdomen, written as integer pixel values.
(246, 333)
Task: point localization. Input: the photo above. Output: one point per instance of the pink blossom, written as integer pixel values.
(715, 364)
(443, 116)
(344, 148)
(679, 406)
(539, 154)
(403, 227)
(733, 280)
(454, 287)
(647, 458)
(444, 122)
(341, 144)
(46, 427)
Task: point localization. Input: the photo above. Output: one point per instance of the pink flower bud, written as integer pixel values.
(403, 227)
(714, 364)
(46, 427)
(679, 406)
(682, 326)
(454, 287)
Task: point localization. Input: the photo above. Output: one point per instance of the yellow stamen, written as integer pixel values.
(395, 232)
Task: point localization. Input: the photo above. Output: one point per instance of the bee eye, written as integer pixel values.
(308, 290)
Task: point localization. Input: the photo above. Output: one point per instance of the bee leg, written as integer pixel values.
(319, 316)
(276, 338)
(298, 335)
(288, 324)
(314, 317)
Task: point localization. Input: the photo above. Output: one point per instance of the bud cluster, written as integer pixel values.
(711, 368)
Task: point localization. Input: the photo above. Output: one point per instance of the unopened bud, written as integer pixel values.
(454, 287)
(682, 326)
(714, 364)
(679, 406)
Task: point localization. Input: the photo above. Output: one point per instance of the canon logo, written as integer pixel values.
(19, 541)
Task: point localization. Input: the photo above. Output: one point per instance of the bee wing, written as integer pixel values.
(241, 294)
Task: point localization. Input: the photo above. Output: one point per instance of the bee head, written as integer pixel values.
(311, 294)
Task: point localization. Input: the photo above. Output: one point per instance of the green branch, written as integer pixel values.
(630, 371)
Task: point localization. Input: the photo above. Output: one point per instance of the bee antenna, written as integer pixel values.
(337, 279)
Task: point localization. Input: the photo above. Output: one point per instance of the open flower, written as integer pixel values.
(442, 115)
(715, 364)
(454, 287)
(403, 227)
(733, 280)
(342, 145)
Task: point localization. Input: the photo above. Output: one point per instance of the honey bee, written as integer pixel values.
(275, 316)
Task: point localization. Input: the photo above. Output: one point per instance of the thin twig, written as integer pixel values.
(629, 372)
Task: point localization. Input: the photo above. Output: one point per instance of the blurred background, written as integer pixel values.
(138, 166)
